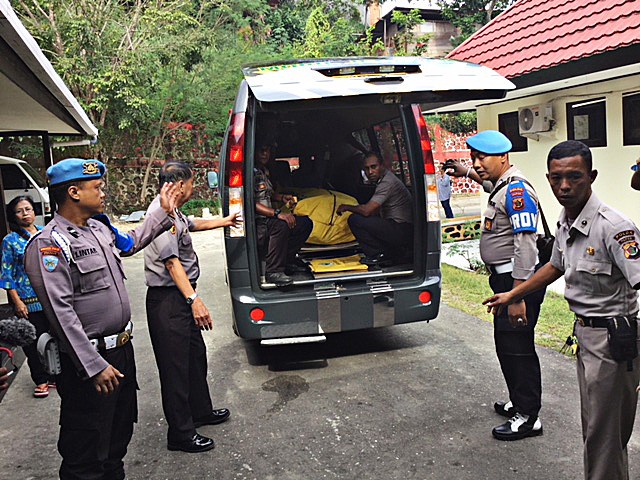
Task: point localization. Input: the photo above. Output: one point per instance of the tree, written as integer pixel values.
(470, 15)
(407, 22)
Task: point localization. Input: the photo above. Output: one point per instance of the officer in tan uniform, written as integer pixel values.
(508, 248)
(176, 316)
(76, 272)
(596, 249)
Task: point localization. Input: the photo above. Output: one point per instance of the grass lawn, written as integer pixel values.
(466, 290)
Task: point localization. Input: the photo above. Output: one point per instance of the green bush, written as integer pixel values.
(194, 207)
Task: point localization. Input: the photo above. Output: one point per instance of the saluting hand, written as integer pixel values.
(169, 194)
(201, 314)
(107, 380)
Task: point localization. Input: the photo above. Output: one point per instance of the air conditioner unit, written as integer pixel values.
(535, 119)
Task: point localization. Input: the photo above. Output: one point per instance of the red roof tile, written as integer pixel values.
(534, 35)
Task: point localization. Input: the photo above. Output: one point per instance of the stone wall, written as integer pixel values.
(124, 185)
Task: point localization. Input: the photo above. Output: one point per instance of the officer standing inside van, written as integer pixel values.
(597, 251)
(282, 234)
(75, 270)
(508, 248)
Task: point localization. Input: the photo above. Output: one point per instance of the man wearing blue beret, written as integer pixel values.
(508, 248)
(76, 272)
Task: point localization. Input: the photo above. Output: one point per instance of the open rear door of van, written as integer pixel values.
(434, 83)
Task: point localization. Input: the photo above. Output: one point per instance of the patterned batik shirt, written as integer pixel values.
(13, 276)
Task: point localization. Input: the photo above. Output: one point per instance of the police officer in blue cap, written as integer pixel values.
(508, 248)
(76, 272)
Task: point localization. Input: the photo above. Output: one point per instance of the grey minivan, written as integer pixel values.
(322, 116)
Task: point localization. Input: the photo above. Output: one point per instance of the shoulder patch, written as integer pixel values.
(631, 250)
(51, 250)
(50, 262)
(624, 233)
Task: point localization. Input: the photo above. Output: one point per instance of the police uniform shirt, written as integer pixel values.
(600, 258)
(78, 276)
(176, 243)
(263, 188)
(509, 226)
(394, 199)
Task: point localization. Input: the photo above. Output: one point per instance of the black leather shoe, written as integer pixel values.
(296, 267)
(518, 427)
(281, 279)
(505, 409)
(196, 445)
(214, 418)
(379, 261)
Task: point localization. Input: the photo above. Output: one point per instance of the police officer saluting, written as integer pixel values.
(508, 248)
(76, 272)
(596, 249)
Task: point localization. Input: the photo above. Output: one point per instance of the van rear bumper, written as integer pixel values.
(331, 310)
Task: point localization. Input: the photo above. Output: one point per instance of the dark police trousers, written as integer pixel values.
(279, 243)
(38, 373)
(378, 235)
(95, 429)
(181, 356)
(516, 350)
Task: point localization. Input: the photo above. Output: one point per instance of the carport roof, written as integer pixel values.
(534, 35)
(32, 95)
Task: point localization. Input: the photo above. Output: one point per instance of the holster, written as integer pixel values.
(623, 339)
(49, 354)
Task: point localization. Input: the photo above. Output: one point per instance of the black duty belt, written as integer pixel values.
(593, 322)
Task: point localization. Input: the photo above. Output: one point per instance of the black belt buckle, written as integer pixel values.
(123, 338)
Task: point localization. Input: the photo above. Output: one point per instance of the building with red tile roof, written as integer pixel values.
(576, 66)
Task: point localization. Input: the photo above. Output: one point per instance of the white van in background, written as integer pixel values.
(19, 178)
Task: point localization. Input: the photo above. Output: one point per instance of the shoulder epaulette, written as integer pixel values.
(63, 242)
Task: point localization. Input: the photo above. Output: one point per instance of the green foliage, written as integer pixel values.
(407, 22)
(328, 35)
(194, 207)
(466, 291)
(470, 15)
(459, 123)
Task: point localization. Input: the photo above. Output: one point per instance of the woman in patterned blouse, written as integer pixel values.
(21, 216)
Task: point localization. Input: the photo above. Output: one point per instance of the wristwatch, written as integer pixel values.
(276, 212)
(191, 298)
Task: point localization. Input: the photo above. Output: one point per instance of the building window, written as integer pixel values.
(631, 119)
(508, 125)
(587, 122)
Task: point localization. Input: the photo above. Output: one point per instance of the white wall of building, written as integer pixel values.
(613, 162)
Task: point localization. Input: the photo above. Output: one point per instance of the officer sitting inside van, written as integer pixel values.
(384, 225)
(280, 234)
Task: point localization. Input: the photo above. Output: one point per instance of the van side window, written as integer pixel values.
(391, 143)
(13, 178)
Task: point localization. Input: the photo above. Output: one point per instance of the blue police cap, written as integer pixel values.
(490, 142)
(75, 169)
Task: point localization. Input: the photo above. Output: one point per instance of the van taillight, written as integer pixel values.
(430, 183)
(235, 155)
(235, 172)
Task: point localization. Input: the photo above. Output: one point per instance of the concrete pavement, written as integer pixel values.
(405, 402)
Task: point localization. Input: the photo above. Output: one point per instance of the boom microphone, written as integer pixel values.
(18, 332)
